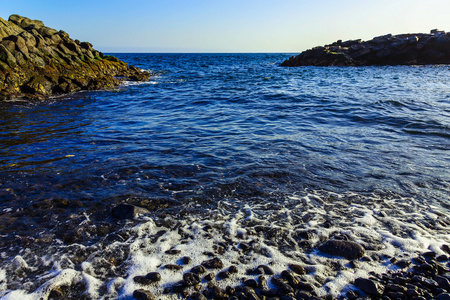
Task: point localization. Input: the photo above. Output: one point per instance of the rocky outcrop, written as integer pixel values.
(37, 61)
(403, 49)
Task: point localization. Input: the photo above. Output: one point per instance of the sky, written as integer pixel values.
(290, 26)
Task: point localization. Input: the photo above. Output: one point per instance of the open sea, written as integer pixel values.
(234, 157)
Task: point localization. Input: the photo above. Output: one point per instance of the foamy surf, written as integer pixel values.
(273, 235)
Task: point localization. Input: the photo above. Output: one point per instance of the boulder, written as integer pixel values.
(37, 61)
(347, 249)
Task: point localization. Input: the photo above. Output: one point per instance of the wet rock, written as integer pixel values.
(442, 282)
(191, 279)
(172, 252)
(198, 296)
(173, 267)
(251, 283)
(127, 211)
(224, 274)
(198, 269)
(443, 296)
(347, 249)
(283, 287)
(368, 286)
(209, 277)
(297, 269)
(233, 269)
(214, 263)
(403, 263)
(148, 279)
(264, 270)
(186, 260)
(143, 295)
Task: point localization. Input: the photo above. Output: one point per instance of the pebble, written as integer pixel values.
(191, 279)
(198, 269)
(173, 267)
(143, 295)
(297, 269)
(214, 263)
(368, 286)
(148, 279)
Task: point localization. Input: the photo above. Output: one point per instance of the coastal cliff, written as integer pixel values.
(37, 61)
(403, 49)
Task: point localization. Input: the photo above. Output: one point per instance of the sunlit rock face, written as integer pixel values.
(403, 49)
(37, 61)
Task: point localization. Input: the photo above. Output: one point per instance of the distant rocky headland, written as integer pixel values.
(403, 49)
(37, 61)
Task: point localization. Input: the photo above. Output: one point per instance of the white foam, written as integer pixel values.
(385, 227)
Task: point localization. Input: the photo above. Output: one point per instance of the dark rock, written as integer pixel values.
(186, 260)
(198, 296)
(191, 279)
(297, 269)
(214, 263)
(283, 287)
(442, 282)
(209, 277)
(173, 267)
(264, 270)
(224, 274)
(233, 269)
(148, 279)
(368, 286)
(403, 263)
(127, 211)
(143, 295)
(251, 283)
(443, 296)
(347, 249)
(403, 49)
(198, 269)
(445, 248)
(172, 252)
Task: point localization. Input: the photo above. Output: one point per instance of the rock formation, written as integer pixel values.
(403, 49)
(37, 61)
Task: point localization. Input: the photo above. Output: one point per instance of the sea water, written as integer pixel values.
(226, 151)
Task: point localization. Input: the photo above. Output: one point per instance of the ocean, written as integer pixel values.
(234, 157)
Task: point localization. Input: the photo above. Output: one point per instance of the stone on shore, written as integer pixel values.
(347, 249)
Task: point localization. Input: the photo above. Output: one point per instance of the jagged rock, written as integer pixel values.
(403, 49)
(37, 61)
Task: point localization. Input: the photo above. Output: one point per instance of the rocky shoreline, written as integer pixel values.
(403, 49)
(37, 62)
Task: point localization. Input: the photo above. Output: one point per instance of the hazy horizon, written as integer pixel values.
(199, 26)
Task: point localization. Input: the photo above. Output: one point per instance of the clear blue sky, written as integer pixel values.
(229, 25)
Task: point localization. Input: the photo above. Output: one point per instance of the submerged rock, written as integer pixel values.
(403, 49)
(127, 211)
(37, 61)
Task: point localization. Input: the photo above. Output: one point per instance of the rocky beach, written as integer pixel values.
(402, 49)
(223, 176)
(37, 61)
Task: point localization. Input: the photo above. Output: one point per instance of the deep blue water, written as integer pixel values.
(237, 126)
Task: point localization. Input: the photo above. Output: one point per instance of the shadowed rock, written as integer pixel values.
(37, 61)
